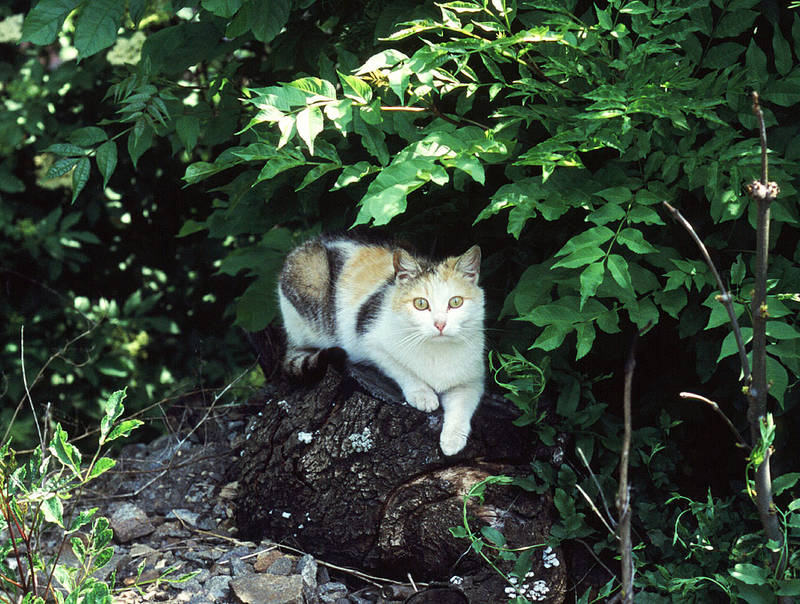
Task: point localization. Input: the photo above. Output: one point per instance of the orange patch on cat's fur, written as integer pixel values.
(366, 267)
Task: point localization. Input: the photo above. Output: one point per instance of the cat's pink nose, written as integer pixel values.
(439, 325)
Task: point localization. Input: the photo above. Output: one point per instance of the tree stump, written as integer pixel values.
(344, 470)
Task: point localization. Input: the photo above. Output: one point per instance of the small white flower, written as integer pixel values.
(305, 437)
(456, 580)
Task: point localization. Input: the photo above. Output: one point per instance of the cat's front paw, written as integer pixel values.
(452, 441)
(424, 400)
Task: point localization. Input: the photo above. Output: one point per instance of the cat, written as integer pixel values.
(420, 322)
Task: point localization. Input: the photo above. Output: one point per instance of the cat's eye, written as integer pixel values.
(456, 301)
(420, 304)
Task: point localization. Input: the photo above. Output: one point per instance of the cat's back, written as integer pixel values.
(326, 273)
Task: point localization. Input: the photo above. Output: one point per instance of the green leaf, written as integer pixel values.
(618, 267)
(777, 378)
(80, 176)
(373, 140)
(590, 279)
(315, 173)
(738, 270)
(188, 130)
(317, 88)
(309, 124)
(729, 346)
(123, 429)
(66, 453)
(53, 510)
(87, 136)
(102, 465)
(635, 242)
(83, 518)
(734, 23)
(552, 337)
(782, 331)
(723, 55)
(592, 237)
(616, 194)
(45, 19)
(354, 173)
(585, 333)
(106, 158)
(386, 195)
(782, 53)
(222, 8)
(580, 257)
(66, 149)
(139, 140)
(97, 26)
(265, 18)
(750, 573)
(355, 88)
(61, 167)
(493, 535)
(784, 482)
(788, 587)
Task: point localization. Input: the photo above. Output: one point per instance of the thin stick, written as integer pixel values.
(624, 493)
(25, 384)
(595, 509)
(597, 484)
(718, 410)
(724, 297)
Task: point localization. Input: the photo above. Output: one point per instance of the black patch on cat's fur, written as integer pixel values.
(335, 263)
(368, 312)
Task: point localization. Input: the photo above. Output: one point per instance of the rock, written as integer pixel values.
(307, 568)
(268, 589)
(130, 522)
(185, 516)
(218, 587)
(332, 592)
(281, 566)
(265, 559)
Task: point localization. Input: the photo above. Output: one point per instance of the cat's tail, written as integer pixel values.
(311, 363)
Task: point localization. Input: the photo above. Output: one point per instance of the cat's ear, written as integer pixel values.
(469, 263)
(405, 267)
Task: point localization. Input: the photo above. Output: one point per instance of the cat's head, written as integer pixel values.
(442, 301)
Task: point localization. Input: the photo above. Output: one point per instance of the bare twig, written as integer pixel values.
(596, 510)
(40, 373)
(597, 484)
(725, 296)
(720, 412)
(624, 493)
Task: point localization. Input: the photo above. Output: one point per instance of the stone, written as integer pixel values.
(332, 592)
(268, 589)
(184, 515)
(265, 559)
(281, 566)
(129, 522)
(217, 588)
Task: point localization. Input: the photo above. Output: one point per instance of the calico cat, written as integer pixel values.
(419, 322)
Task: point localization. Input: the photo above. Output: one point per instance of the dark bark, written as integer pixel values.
(372, 489)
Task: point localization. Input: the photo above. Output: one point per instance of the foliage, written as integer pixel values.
(548, 130)
(32, 496)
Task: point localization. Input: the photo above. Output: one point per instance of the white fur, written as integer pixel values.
(431, 368)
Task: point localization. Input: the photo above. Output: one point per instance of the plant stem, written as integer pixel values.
(624, 493)
(757, 392)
